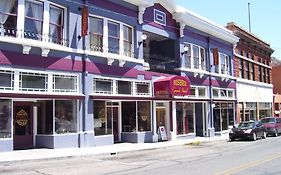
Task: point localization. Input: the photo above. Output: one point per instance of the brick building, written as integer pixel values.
(252, 68)
(276, 81)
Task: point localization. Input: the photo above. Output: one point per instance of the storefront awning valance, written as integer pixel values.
(172, 86)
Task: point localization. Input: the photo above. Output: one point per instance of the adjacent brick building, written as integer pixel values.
(276, 81)
(252, 60)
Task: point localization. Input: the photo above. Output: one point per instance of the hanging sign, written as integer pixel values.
(85, 16)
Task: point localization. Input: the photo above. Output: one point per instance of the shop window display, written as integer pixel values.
(144, 118)
(65, 116)
(128, 116)
(102, 118)
(5, 119)
(185, 118)
(45, 121)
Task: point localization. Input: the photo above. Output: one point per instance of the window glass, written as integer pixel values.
(33, 25)
(230, 93)
(203, 58)
(5, 118)
(144, 117)
(215, 93)
(102, 118)
(33, 82)
(96, 34)
(103, 86)
(223, 93)
(124, 87)
(64, 83)
(8, 17)
(127, 34)
(113, 37)
(56, 25)
(185, 118)
(187, 56)
(65, 116)
(195, 50)
(143, 88)
(192, 91)
(128, 116)
(223, 63)
(45, 121)
(6, 80)
(202, 92)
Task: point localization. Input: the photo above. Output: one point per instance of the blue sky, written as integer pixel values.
(265, 16)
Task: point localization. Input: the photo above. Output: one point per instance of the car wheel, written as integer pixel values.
(231, 139)
(275, 133)
(254, 136)
(264, 135)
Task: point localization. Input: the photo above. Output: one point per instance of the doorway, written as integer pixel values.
(112, 109)
(23, 125)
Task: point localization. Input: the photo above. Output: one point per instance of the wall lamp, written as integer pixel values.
(185, 50)
(143, 38)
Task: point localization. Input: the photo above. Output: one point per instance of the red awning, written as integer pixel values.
(172, 86)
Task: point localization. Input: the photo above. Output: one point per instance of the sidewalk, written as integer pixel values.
(35, 154)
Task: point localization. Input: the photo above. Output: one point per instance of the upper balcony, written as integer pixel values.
(28, 20)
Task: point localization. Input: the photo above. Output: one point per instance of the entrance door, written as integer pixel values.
(114, 112)
(23, 125)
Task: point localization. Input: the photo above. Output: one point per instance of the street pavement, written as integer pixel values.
(219, 157)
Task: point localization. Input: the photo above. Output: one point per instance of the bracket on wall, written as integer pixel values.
(182, 26)
(45, 52)
(121, 63)
(26, 49)
(141, 12)
(110, 61)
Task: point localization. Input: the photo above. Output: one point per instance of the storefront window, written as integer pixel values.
(6, 79)
(128, 116)
(102, 118)
(202, 92)
(45, 117)
(223, 116)
(65, 116)
(185, 118)
(5, 119)
(144, 118)
(142, 88)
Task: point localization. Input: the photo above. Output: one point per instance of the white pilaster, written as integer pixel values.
(174, 119)
(105, 35)
(46, 17)
(20, 18)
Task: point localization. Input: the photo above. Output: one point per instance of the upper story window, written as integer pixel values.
(8, 17)
(260, 73)
(223, 93)
(264, 75)
(241, 68)
(159, 17)
(6, 80)
(116, 38)
(96, 34)
(224, 64)
(268, 76)
(251, 71)
(195, 58)
(56, 24)
(124, 87)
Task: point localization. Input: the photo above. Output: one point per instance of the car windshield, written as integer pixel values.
(268, 120)
(246, 125)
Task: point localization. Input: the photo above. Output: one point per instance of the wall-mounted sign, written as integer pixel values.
(172, 86)
(22, 118)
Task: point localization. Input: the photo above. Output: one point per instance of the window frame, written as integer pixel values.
(157, 13)
(105, 80)
(25, 73)
(65, 76)
(190, 55)
(12, 75)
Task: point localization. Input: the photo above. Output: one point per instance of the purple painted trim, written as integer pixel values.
(51, 96)
(114, 7)
(199, 81)
(220, 44)
(194, 35)
(148, 17)
(18, 59)
(224, 84)
(224, 100)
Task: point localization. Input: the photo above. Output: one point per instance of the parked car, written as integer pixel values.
(272, 125)
(248, 130)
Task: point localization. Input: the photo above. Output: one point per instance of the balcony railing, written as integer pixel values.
(13, 32)
(113, 50)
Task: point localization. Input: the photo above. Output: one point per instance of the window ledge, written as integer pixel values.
(224, 76)
(195, 71)
(254, 82)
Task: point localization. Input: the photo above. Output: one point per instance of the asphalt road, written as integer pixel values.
(215, 158)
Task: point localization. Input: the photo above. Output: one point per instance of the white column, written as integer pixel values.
(114, 86)
(20, 18)
(16, 80)
(50, 83)
(154, 127)
(174, 119)
(46, 21)
(105, 35)
(191, 58)
(34, 124)
(121, 46)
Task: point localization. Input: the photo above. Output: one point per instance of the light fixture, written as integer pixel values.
(185, 50)
(143, 38)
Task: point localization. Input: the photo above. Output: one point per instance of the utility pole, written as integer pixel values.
(249, 15)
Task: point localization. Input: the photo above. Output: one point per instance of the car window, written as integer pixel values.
(246, 125)
(268, 120)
